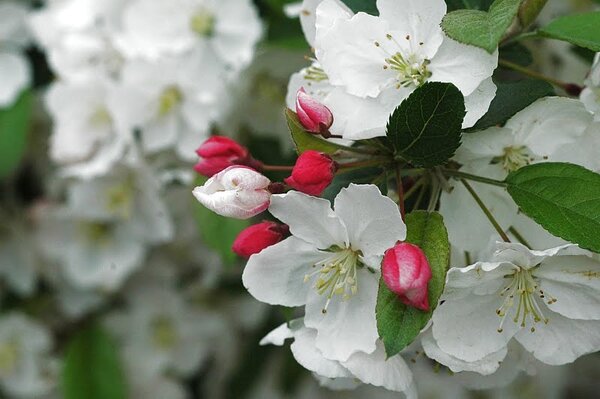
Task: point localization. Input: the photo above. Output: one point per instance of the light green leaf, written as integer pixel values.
(305, 141)
(426, 128)
(218, 232)
(581, 30)
(92, 368)
(398, 325)
(480, 28)
(512, 98)
(563, 198)
(14, 124)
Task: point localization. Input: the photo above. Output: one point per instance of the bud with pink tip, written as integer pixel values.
(406, 272)
(220, 152)
(257, 237)
(238, 192)
(314, 116)
(312, 173)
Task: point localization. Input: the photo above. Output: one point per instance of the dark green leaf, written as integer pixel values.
(563, 198)
(480, 28)
(92, 368)
(483, 5)
(512, 98)
(516, 53)
(14, 124)
(398, 325)
(426, 128)
(367, 6)
(581, 30)
(305, 141)
(218, 232)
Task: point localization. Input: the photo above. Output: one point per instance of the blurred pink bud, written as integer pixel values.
(406, 272)
(257, 237)
(314, 116)
(238, 192)
(220, 152)
(312, 173)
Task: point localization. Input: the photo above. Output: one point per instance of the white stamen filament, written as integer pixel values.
(525, 287)
(336, 275)
(411, 70)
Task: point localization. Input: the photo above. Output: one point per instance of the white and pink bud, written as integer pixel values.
(237, 191)
(406, 272)
(314, 116)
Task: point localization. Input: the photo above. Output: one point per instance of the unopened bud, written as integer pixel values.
(312, 173)
(406, 272)
(220, 152)
(314, 116)
(257, 237)
(238, 192)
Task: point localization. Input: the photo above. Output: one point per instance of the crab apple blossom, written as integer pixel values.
(238, 192)
(331, 264)
(257, 237)
(545, 300)
(312, 173)
(406, 272)
(314, 116)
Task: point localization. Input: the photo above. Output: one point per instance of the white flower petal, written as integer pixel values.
(277, 336)
(309, 218)
(306, 353)
(478, 102)
(562, 340)
(464, 66)
(485, 366)
(372, 220)
(276, 274)
(14, 77)
(348, 326)
(466, 328)
(376, 369)
(575, 282)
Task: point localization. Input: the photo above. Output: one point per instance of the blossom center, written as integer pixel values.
(9, 356)
(170, 98)
(203, 23)
(98, 232)
(515, 158)
(410, 69)
(100, 117)
(315, 74)
(336, 275)
(119, 200)
(164, 333)
(524, 291)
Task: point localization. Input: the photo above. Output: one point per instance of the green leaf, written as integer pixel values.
(530, 10)
(581, 30)
(368, 6)
(512, 98)
(218, 232)
(358, 176)
(426, 128)
(398, 324)
(303, 140)
(563, 198)
(516, 53)
(480, 28)
(92, 368)
(483, 5)
(14, 124)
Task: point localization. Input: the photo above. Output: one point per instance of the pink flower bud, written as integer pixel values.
(406, 272)
(238, 192)
(257, 237)
(220, 152)
(312, 173)
(314, 116)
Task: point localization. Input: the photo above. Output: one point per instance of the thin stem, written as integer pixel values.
(480, 179)
(420, 197)
(486, 211)
(400, 190)
(277, 168)
(436, 190)
(414, 188)
(536, 75)
(522, 36)
(518, 236)
(362, 164)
